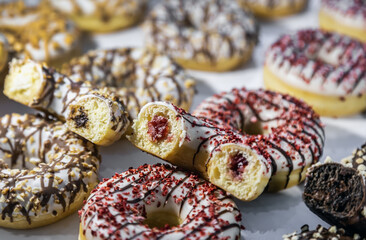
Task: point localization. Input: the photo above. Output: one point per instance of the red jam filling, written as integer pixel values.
(158, 128)
(237, 164)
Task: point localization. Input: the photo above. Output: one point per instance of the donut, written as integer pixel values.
(38, 33)
(209, 35)
(97, 115)
(101, 16)
(273, 8)
(4, 48)
(337, 192)
(345, 17)
(326, 70)
(242, 141)
(46, 171)
(158, 202)
(321, 233)
(138, 76)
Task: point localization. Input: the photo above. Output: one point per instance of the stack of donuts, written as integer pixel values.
(237, 143)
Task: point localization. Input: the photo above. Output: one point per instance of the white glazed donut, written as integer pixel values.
(97, 115)
(242, 141)
(139, 203)
(212, 35)
(326, 70)
(101, 15)
(345, 17)
(137, 75)
(45, 173)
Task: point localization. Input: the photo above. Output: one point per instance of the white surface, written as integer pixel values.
(268, 217)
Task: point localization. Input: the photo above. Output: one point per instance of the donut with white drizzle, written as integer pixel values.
(326, 70)
(158, 202)
(137, 75)
(97, 115)
(346, 17)
(242, 141)
(34, 31)
(211, 35)
(273, 8)
(102, 15)
(46, 171)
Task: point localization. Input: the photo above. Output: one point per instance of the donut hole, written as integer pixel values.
(239, 170)
(24, 82)
(253, 128)
(162, 219)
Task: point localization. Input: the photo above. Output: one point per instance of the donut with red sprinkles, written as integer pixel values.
(326, 70)
(158, 202)
(243, 141)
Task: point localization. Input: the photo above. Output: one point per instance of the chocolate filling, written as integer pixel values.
(81, 118)
(336, 194)
(158, 128)
(238, 164)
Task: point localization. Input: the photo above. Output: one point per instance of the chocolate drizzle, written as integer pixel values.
(137, 76)
(175, 27)
(158, 187)
(292, 123)
(45, 150)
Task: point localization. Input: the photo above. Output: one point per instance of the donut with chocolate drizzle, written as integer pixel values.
(211, 35)
(137, 75)
(158, 202)
(242, 141)
(46, 171)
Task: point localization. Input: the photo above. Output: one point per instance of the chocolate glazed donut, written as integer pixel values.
(337, 192)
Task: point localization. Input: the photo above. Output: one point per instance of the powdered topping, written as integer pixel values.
(43, 169)
(271, 4)
(118, 207)
(320, 62)
(136, 75)
(202, 30)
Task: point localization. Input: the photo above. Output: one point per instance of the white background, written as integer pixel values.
(268, 217)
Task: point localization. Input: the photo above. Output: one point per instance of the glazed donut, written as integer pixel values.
(321, 233)
(137, 75)
(210, 35)
(45, 171)
(337, 193)
(101, 16)
(273, 8)
(287, 137)
(38, 33)
(326, 70)
(97, 115)
(345, 17)
(158, 202)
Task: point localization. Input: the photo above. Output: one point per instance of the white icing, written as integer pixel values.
(27, 178)
(211, 31)
(277, 62)
(224, 214)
